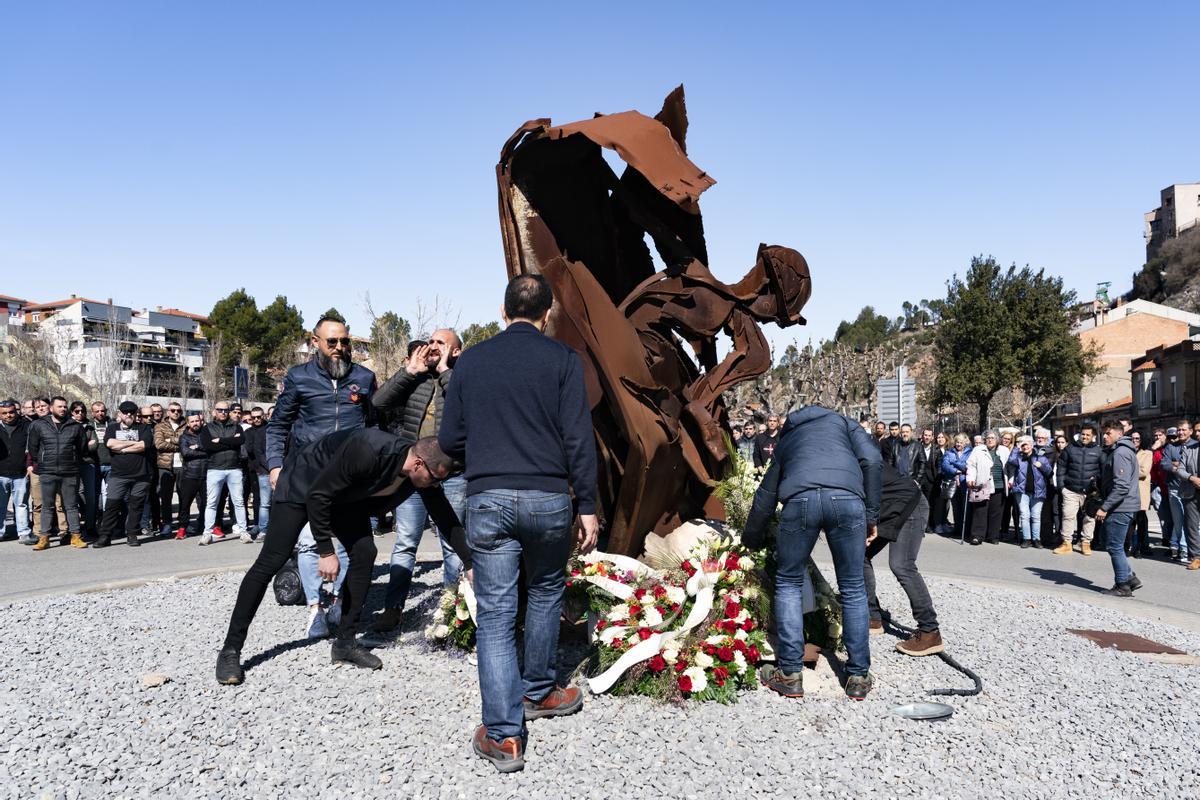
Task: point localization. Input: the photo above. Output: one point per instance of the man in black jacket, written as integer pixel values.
(904, 453)
(132, 456)
(826, 472)
(257, 470)
(336, 484)
(222, 440)
(14, 475)
(1078, 475)
(903, 511)
(57, 444)
(192, 476)
(413, 400)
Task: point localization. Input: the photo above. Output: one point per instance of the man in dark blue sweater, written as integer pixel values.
(517, 413)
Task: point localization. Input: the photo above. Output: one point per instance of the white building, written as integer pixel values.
(1178, 211)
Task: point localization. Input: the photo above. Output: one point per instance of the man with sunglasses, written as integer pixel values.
(329, 393)
(257, 470)
(170, 463)
(131, 453)
(336, 485)
(57, 444)
(222, 439)
(14, 479)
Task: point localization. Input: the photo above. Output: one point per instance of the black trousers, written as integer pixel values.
(124, 492)
(191, 489)
(352, 527)
(155, 510)
(902, 561)
(1050, 510)
(66, 486)
(250, 488)
(986, 516)
(166, 480)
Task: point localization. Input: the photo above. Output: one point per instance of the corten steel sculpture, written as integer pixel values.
(659, 418)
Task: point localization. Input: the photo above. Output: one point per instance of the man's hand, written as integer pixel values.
(1100, 515)
(444, 361)
(589, 532)
(415, 364)
(275, 477)
(1195, 480)
(872, 532)
(328, 566)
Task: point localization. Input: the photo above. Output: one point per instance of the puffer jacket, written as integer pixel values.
(954, 465)
(166, 442)
(313, 405)
(405, 398)
(57, 449)
(226, 452)
(1119, 478)
(1079, 467)
(979, 474)
(195, 457)
(1017, 470)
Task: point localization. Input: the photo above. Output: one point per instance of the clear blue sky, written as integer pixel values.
(167, 153)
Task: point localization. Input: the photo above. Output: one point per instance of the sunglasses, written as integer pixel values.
(344, 342)
(77, 411)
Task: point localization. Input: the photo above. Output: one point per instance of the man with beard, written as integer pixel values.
(57, 445)
(329, 393)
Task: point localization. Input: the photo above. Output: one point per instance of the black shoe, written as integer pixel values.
(1037, 544)
(1134, 582)
(101, 542)
(132, 540)
(350, 652)
(975, 541)
(1120, 590)
(857, 686)
(229, 667)
(1026, 544)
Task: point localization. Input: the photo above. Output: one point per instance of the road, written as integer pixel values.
(1171, 594)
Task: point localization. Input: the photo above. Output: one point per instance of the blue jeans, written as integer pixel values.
(18, 490)
(411, 518)
(1031, 517)
(1116, 525)
(1176, 540)
(508, 529)
(227, 477)
(264, 503)
(843, 518)
(306, 563)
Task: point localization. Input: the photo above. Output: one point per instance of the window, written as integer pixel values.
(1174, 394)
(1150, 395)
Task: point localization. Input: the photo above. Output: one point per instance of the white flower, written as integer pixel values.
(670, 656)
(440, 631)
(750, 592)
(611, 634)
(745, 562)
(717, 639)
(462, 612)
(739, 661)
(651, 617)
(618, 612)
(740, 635)
(676, 595)
(703, 660)
(699, 679)
(742, 616)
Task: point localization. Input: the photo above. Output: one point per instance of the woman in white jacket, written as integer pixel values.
(986, 489)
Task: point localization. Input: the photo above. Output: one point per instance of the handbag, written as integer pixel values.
(289, 591)
(949, 486)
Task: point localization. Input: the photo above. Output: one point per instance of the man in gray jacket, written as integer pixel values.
(1119, 488)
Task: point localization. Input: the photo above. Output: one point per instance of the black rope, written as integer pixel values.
(947, 659)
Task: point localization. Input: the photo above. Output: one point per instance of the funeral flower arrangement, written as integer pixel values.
(454, 619)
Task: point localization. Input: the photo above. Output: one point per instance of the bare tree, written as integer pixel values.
(211, 375)
(434, 316)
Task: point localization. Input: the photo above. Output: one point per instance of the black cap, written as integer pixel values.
(128, 407)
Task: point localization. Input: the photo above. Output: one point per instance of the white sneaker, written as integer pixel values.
(246, 537)
(333, 614)
(318, 627)
(205, 538)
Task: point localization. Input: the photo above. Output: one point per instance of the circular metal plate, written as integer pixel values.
(924, 710)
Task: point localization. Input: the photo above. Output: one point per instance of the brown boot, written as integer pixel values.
(875, 626)
(1085, 548)
(559, 703)
(1063, 549)
(1195, 564)
(922, 643)
(506, 755)
(43, 542)
(77, 541)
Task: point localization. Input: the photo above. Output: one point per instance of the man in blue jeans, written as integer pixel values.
(14, 477)
(518, 411)
(1119, 488)
(827, 473)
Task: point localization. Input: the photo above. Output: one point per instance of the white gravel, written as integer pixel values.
(1059, 717)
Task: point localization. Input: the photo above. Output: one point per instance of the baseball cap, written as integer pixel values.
(1172, 431)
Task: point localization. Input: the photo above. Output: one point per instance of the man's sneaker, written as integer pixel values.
(1037, 544)
(165, 531)
(858, 686)
(1063, 549)
(318, 627)
(132, 540)
(1120, 590)
(1135, 582)
(559, 703)
(875, 626)
(388, 620)
(206, 539)
(348, 651)
(28, 539)
(217, 534)
(506, 755)
(333, 614)
(246, 537)
(786, 684)
(101, 542)
(229, 667)
(1026, 544)
(181, 534)
(922, 643)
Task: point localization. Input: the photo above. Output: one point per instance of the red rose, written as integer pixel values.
(732, 609)
(601, 624)
(748, 625)
(634, 610)
(680, 665)
(720, 673)
(639, 593)
(731, 562)
(710, 649)
(659, 592)
(657, 664)
(739, 645)
(644, 634)
(675, 608)
(687, 567)
(725, 653)
(753, 655)
(728, 625)
(685, 684)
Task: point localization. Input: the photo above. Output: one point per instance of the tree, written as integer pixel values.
(333, 313)
(235, 320)
(1004, 329)
(868, 329)
(476, 333)
(282, 331)
(390, 334)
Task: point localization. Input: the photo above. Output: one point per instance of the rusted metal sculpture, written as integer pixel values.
(659, 418)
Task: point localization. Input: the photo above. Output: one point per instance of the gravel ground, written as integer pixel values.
(1059, 717)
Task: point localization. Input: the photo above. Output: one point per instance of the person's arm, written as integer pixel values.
(162, 440)
(871, 463)
(452, 435)
(766, 498)
(191, 452)
(287, 408)
(579, 442)
(447, 523)
(759, 457)
(1124, 482)
(349, 466)
(394, 393)
(33, 444)
(1012, 465)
